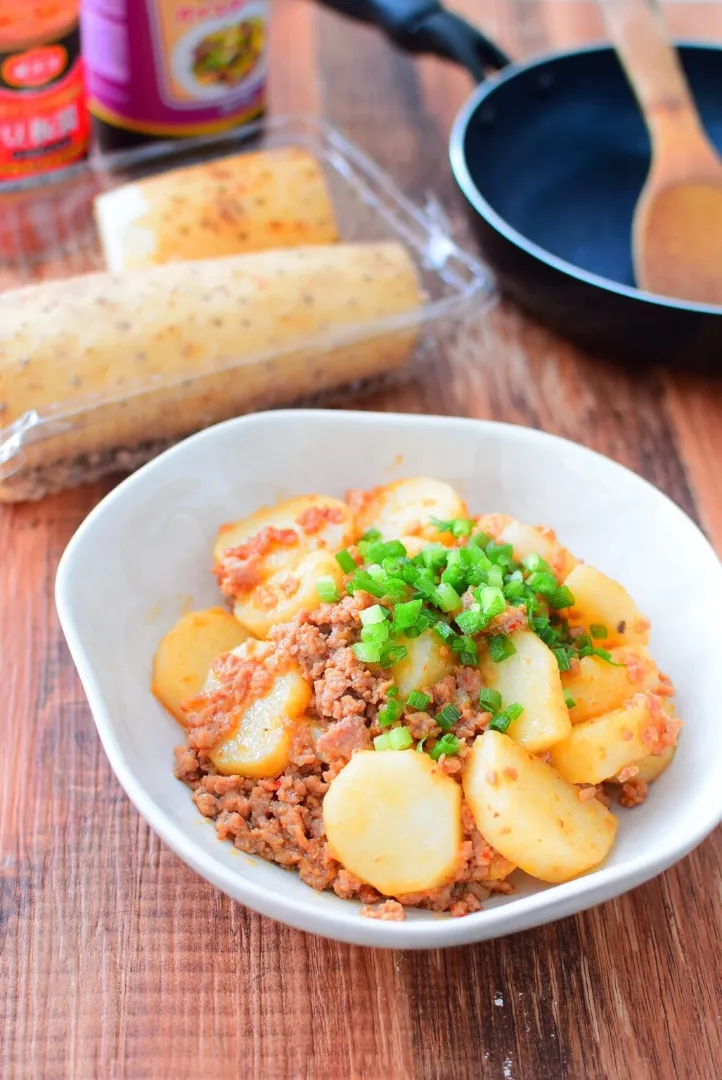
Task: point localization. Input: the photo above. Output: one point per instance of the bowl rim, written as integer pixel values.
(338, 924)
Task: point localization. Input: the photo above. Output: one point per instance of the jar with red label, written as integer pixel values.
(44, 123)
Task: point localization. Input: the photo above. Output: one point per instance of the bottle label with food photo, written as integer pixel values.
(175, 67)
(44, 124)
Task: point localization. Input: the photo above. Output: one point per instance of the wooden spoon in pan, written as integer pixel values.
(677, 227)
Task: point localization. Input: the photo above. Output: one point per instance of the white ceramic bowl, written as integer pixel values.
(143, 555)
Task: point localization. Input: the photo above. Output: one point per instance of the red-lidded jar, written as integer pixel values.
(44, 123)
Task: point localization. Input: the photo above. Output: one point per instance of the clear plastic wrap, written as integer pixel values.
(58, 444)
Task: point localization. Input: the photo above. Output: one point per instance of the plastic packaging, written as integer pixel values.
(46, 449)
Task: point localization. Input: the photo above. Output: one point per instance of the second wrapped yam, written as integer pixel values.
(247, 202)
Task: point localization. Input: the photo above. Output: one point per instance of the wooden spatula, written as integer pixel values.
(677, 228)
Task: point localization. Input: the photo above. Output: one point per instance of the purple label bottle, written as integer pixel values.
(169, 68)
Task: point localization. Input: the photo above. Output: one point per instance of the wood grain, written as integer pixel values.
(117, 961)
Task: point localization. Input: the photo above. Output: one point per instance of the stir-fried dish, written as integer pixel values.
(406, 703)
(225, 57)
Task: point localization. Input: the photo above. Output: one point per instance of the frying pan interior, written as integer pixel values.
(560, 152)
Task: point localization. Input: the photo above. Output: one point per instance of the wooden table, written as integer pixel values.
(118, 961)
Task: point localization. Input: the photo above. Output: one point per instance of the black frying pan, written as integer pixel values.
(551, 156)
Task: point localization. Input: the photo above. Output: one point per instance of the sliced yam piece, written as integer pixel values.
(493, 524)
(530, 677)
(599, 749)
(499, 868)
(406, 507)
(601, 601)
(531, 814)
(260, 743)
(318, 520)
(249, 649)
(185, 654)
(286, 593)
(394, 820)
(538, 540)
(651, 767)
(427, 661)
(413, 544)
(597, 687)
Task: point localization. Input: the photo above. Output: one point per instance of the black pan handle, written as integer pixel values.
(426, 26)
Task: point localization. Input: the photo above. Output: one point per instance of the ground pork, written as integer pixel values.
(633, 793)
(240, 568)
(388, 911)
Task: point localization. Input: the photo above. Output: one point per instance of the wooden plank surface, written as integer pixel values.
(116, 960)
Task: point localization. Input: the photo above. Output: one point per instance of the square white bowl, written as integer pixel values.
(143, 556)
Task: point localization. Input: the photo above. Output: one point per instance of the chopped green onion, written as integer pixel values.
(490, 699)
(374, 614)
(370, 535)
(392, 692)
(346, 561)
(583, 641)
(468, 648)
(417, 701)
(363, 580)
(562, 597)
(495, 577)
(367, 652)
(390, 713)
(500, 647)
(376, 632)
(455, 576)
(405, 615)
(535, 563)
(598, 631)
(562, 659)
(570, 702)
(499, 722)
(492, 600)
(447, 744)
(425, 585)
(392, 655)
(514, 589)
(447, 598)
(500, 553)
(472, 620)
(550, 636)
(457, 526)
(480, 540)
(502, 720)
(543, 582)
(444, 631)
(400, 738)
(420, 744)
(427, 618)
(327, 590)
(448, 717)
(377, 551)
(434, 556)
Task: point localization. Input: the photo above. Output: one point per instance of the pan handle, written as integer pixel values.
(426, 26)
